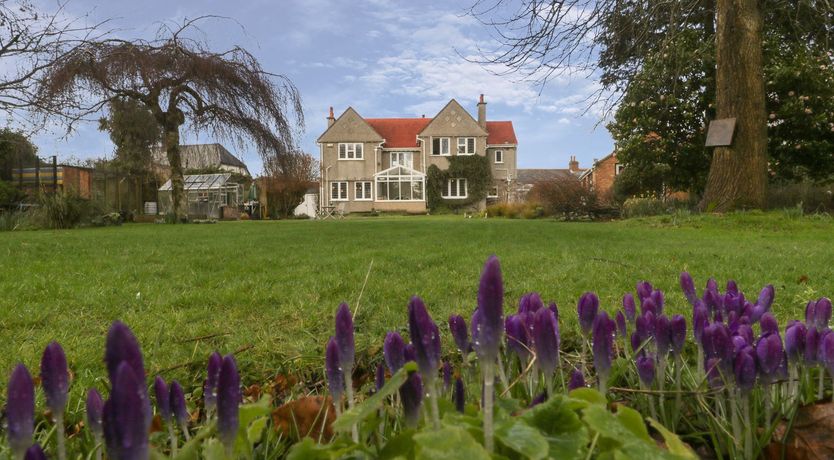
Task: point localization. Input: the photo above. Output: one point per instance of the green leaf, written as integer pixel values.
(565, 433)
(400, 446)
(632, 420)
(614, 434)
(191, 449)
(248, 414)
(256, 430)
(213, 449)
(673, 442)
(590, 395)
(448, 443)
(307, 449)
(369, 406)
(522, 438)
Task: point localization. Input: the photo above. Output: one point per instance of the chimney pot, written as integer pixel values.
(330, 118)
(482, 112)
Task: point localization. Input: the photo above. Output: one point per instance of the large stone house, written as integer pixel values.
(200, 157)
(381, 164)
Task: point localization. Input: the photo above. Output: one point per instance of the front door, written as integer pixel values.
(402, 159)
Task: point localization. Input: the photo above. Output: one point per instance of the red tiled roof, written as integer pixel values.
(501, 132)
(399, 132)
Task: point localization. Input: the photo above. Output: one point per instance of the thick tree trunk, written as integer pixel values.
(738, 174)
(171, 139)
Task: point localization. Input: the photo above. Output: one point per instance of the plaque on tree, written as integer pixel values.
(720, 132)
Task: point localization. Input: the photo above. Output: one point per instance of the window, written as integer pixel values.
(493, 192)
(455, 188)
(466, 146)
(440, 146)
(362, 191)
(402, 159)
(499, 156)
(338, 191)
(618, 168)
(350, 151)
(400, 184)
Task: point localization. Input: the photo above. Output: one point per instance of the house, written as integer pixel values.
(528, 178)
(600, 177)
(203, 157)
(381, 164)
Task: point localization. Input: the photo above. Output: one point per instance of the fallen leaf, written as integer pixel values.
(311, 416)
(156, 424)
(802, 279)
(810, 436)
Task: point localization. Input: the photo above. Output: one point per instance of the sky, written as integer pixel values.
(384, 58)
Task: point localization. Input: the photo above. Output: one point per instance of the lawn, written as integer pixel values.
(270, 288)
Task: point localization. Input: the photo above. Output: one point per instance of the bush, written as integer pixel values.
(65, 210)
(569, 199)
(808, 197)
(651, 206)
(524, 210)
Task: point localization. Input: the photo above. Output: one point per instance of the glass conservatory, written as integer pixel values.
(206, 195)
(400, 183)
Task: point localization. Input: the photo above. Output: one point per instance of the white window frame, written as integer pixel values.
(336, 186)
(499, 156)
(366, 194)
(448, 145)
(350, 151)
(490, 194)
(400, 156)
(457, 181)
(408, 176)
(465, 146)
(618, 168)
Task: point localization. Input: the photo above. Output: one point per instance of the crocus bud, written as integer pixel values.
(179, 410)
(688, 287)
(644, 325)
(122, 346)
(34, 453)
(457, 325)
(744, 367)
(447, 375)
(745, 331)
(55, 378)
(344, 337)
(645, 369)
(534, 303)
(769, 354)
(810, 314)
(524, 303)
(516, 332)
(603, 344)
(712, 285)
(795, 341)
(20, 410)
(712, 300)
(659, 300)
(714, 378)
(587, 309)
(822, 313)
(163, 399)
(425, 337)
(636, 342)
(475, 325)
(677, 333)
(555, 309)
(228, 402)
(769, 324)
(739, 343)
(491, 308)
(124, 416)
(333, 369)
(644, 290)
(459, 397)
(812, 337)
(212, 376)
(577, 380)
(828, 353)
(663, 335)
(700, 320)
(409, 353)
(629, 307)
(732, 287)
(379, 381)
(621, 324)
(94, 406)
(766, 297)
(411, 394)
(546, 341)
(542, 397)
(393, 348)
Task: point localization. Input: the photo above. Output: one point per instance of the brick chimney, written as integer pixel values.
(482, 112)
(330, 118)
(573, 165)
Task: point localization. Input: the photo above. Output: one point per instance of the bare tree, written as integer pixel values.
(288, 176)
(183, 83)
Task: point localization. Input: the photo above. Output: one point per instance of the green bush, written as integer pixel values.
(808, 197)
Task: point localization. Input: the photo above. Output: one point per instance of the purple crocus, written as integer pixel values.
(379, 381)
(645, 326)
(603, 347)
(409, 353)
(411, 394)
(678, 334)
(732, 287)
(577, 380)
(516, 331)
(94, 406)
(457, 325)
(163, 399)
(447, 375)
(645, 369)
(766, 297)
(34, 453)
(122, 346)
(124, 416)
(636, 343)
(795, 341)
(663, 335)
(55, 379)
(822, 313)
(228, 402)
(491, 310)
(546, 341)
(587, 308)
(393, 349)
(644, 290)
(555, 309)
(344, 338)
(333, 369)
(659, 300)
(769, 354)
(744, 369)
(179, 410)
(827, 347)
(688, 287)
(700, 320)
(629, 307)
(622, 330)
(769, 324)
(425, 337)
(20, 410)
(459, 397)
(812, 337)
(210, 385)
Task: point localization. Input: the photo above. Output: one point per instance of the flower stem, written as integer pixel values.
(349, 393)
(821, 384)
(59, 425)
(661, 386)
(172, 435)
(489, 382)
(184, 427)
(737, 429)
(435, 412)
(748, 427)
(678, 370)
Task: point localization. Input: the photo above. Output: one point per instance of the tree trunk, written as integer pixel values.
(738, 174)
(171, 137)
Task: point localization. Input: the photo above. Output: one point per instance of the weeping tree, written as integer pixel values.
(185, 85)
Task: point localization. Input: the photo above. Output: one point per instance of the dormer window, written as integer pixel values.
(466, 146)
(350, 151)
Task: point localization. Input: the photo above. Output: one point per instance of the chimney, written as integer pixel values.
(330, 118)
(573, 165)
(482, 112)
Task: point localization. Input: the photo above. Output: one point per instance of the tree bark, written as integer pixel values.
(738, 173)
(171, 138)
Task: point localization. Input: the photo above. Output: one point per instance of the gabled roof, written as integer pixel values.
(500, 132)
(531, 176)
(399, 132)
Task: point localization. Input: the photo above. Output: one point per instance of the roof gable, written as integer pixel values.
(399, 132)
(453, 120)
(500, 133)
(350, 126)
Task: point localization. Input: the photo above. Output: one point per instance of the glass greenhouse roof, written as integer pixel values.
(200, 182)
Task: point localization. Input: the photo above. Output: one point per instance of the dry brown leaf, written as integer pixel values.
(809, 438)
(311, 416)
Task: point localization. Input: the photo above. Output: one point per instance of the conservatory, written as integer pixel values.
(207, 195)
(400, 183)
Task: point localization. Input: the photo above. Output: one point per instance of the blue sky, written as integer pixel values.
(384, 58)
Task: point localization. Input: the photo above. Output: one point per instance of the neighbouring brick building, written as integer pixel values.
(600, 177)
(528, 178)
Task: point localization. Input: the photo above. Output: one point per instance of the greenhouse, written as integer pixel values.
(207, 196)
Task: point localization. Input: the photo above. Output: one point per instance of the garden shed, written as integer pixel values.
(208, 196)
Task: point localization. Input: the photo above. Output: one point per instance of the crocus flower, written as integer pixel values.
(122, 346)
(822, 313)
(649, 306)
(739, 343)
(645, 369)
(457, 325)
(621, 324)
(744, 330)
(603, 344)
(409, 353)
(475, 325)
(379, 382)
(179, 410)
(228, 401)
(769, 324)
(712, 285)
(700, 320)
(587, 309)
(644, 290)
(333, 369)
(210, 386)
(678, 334)
(425, 337)
(393, 349)
(55, 378)
(629, 307)
(810, 313)
(766, 297)
(744, 368)
(663, 335)
(344, 337)
(827, 347)
(447, 375)
(546, 341)
(411, 394)
(577, 380)
(659, 300)
(20, 410)
(688, 287)
(459, 397)
(34, 453)
(94, 406)
(636, 343)
(124, 415)
(555, 309)
(812, 337)
(644, 324)
(491, 308)
(732, 287)
(769, 354)
(540, 398)
(163, 399)
(795, 341)
(516, 332)
(533, 303)
(714, 377)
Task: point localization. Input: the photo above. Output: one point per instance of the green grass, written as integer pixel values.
(275, 285)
